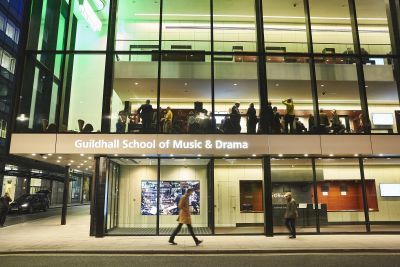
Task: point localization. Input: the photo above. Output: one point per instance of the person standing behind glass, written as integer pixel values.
(276, 121)
(235, 118)
(146, 113)
(251, 119)
(168, 121)
(289, 116)
(291, 214)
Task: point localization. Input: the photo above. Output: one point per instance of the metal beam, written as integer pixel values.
(268, 208)
(65, 197)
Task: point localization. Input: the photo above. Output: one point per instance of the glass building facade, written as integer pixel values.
(286, 76)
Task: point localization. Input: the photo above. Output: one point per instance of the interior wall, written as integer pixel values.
(389, 207)
(227, 194)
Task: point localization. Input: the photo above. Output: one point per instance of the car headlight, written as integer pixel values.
(25, 205)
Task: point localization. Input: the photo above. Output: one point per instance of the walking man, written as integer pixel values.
(291, 214)
(184, 218)
(4, 205)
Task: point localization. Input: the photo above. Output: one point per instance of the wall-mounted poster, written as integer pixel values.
(170, 194)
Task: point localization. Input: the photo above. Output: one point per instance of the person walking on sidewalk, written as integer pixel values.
(291, 214)
(184, 218)
(4, 205)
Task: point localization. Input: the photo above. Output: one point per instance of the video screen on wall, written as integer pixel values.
(170, 194)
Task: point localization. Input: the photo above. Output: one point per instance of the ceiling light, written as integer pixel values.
(44, 157)
(254, 155)
(90, 167)
(186, 84)
(81, 164)
(69, 164)
(356, 155)
(58, 161)
(235, 84)
(305, 155)
(82, 155)
(322, 85)
(86, 169)
(115, 155)
(199, 155)
(89, 15)
(171, 155)
(331, 155)
(71, 161)
(89, 157)
(277, 85)
(380, 155)
(50, 154)
(33, 154)
(22, 117)
(280, 155)
(136, 83)
(226, 155)
(85, 161)
(143, 155)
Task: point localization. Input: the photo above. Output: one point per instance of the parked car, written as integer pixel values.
(29, 203)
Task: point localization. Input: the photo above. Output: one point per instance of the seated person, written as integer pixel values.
(323, 121)
(121, 123)
(299, 126)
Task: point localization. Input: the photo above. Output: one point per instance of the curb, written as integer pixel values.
(204, 252)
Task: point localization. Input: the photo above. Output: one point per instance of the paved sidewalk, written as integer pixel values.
(48, 236)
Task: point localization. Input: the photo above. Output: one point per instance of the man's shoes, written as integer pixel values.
(292, 236)
(198, 242)
(171, 242)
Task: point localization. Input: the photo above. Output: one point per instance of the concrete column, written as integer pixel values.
(2, 167)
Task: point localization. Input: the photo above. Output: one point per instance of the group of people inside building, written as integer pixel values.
(199, 121)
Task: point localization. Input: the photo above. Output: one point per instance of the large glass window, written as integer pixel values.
(134, 100)
(238, 196)
(185, 93)
(236, 91)
(177, 175)
(382, 95)
(132, 199)
(293, 176)
(331, 30)
(138, 25)
(340, 199)
(284, 27)
(383, 189)
(373, 27)
(289, 93)
(234, 26)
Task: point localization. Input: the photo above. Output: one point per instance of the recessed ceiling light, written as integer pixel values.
(277, 85)
(199, 155)
(331, 155)
(136, 83)
(69, 164)
(380, 155)
(305, 155)
(115, 155)
(356, 155)
(85, 161)
(143, 155)
(44, 157)
(90, 167)
(33, 154)
(58, 161)
(235, 84)
(71, 161)
(226, 155)
(280, 155)
(79, 167)
(86, 169)
(89, 157)
(50, 154)
(322, 85)
(81, 164)
(59, 157)
(171, 155)
(82, 155)
(186, 84)
(254, 155)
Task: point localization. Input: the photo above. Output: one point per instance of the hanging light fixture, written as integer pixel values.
(90, 16)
